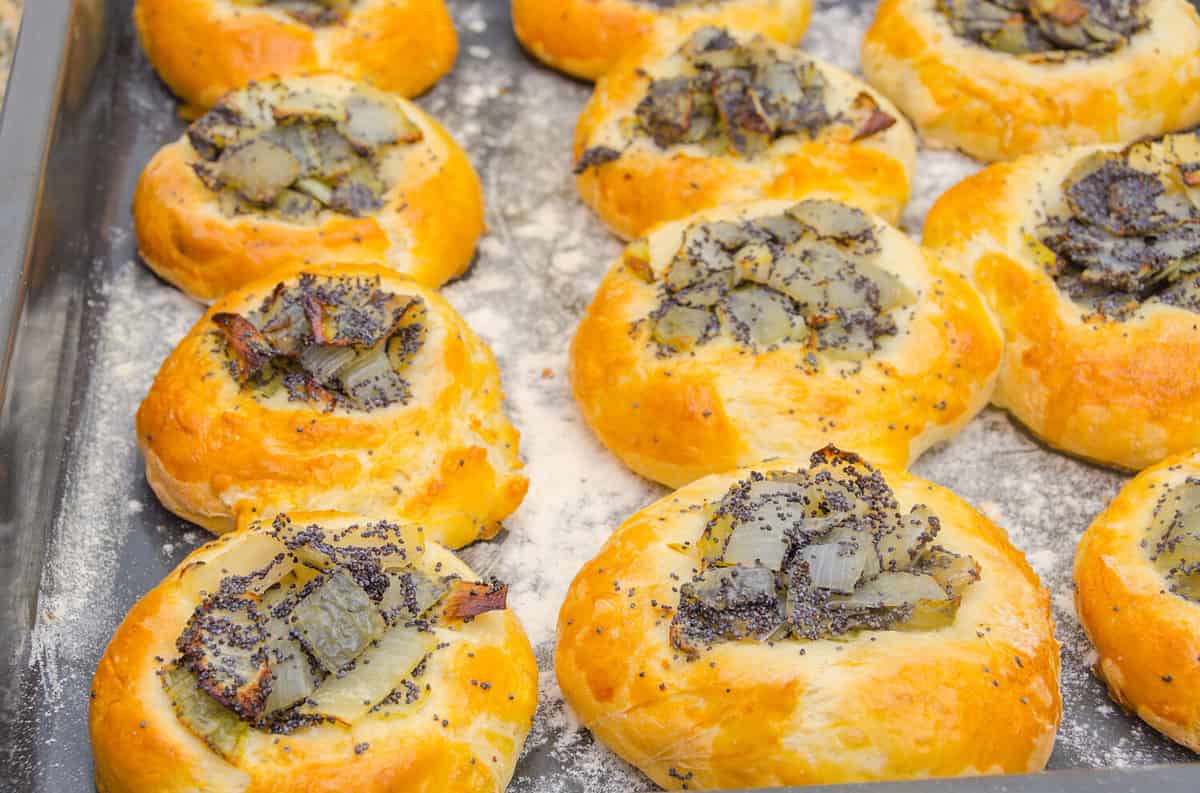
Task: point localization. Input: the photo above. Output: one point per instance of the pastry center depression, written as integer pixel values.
(337, 341)
(1047, 28)
(809, 276)
(1173, 541)
(734, 97)
(1130, 231)
(817, 554)
(336, 626)
(294, 153)
(314, 13)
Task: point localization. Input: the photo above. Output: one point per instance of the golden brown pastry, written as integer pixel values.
(811, 623)
(1001, 78)
(203, 49)
(586, 38)
(346, 388)
(1137, 575)
(717, 117)
(770, 329)
(306, 171)
(317, 652)
(1090, 259)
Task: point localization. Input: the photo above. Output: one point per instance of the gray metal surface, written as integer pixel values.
(82, 537)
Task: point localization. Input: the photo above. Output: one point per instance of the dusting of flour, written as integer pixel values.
(533, 278)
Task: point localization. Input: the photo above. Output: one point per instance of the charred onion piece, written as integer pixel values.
(223, 645)
(251, 352)
(466, 599)
(876, 120)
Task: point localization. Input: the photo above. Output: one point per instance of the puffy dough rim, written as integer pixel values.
(884, 705)
(1147, 638)
(586, 38)
(1121, 393)
(244, 44)
(994, 107)
(674, 420)
(449, 457)
(648, 186)
(427, 229)
(140, 746)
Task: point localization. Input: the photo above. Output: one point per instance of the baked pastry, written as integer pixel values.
(586, 38)
(771, 329)
(316, 652)
(1001, 78)
(400, 46)
(1137, 575)
(717, 117)
(304, 171)
(805, 623)
(333, 388)
(1090, 259)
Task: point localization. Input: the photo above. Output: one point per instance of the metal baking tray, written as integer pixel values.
(83, 328)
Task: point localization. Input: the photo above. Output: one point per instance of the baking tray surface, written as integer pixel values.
(97, 325)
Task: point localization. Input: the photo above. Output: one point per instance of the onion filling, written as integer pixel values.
(335, 627)
(336, 341)
(292, 154)
(818, 554)
(739, 97)
(809, 276)
(1047, 30)
(1130, 230)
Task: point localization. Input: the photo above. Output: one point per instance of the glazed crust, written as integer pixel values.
(1147, 638)
(995, 106)
(427, 228)
(649, 185)
(140, 746)
(586, 38)
(980, 696)
(1118, 393)
(448, 456)
(399, 46)
(677, 418)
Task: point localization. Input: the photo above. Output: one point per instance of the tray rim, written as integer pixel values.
(30, 133)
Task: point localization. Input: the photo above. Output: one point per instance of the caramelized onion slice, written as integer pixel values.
(208, 719)
(892, 590)
(681, 327)
(955, 572)
(260, 170)
(411, 594)
(292, 676)
(833, 219)
(381, 667)
(835, 567)
(906, 540)
(755, 543)
(337, 621)
(372, 123)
